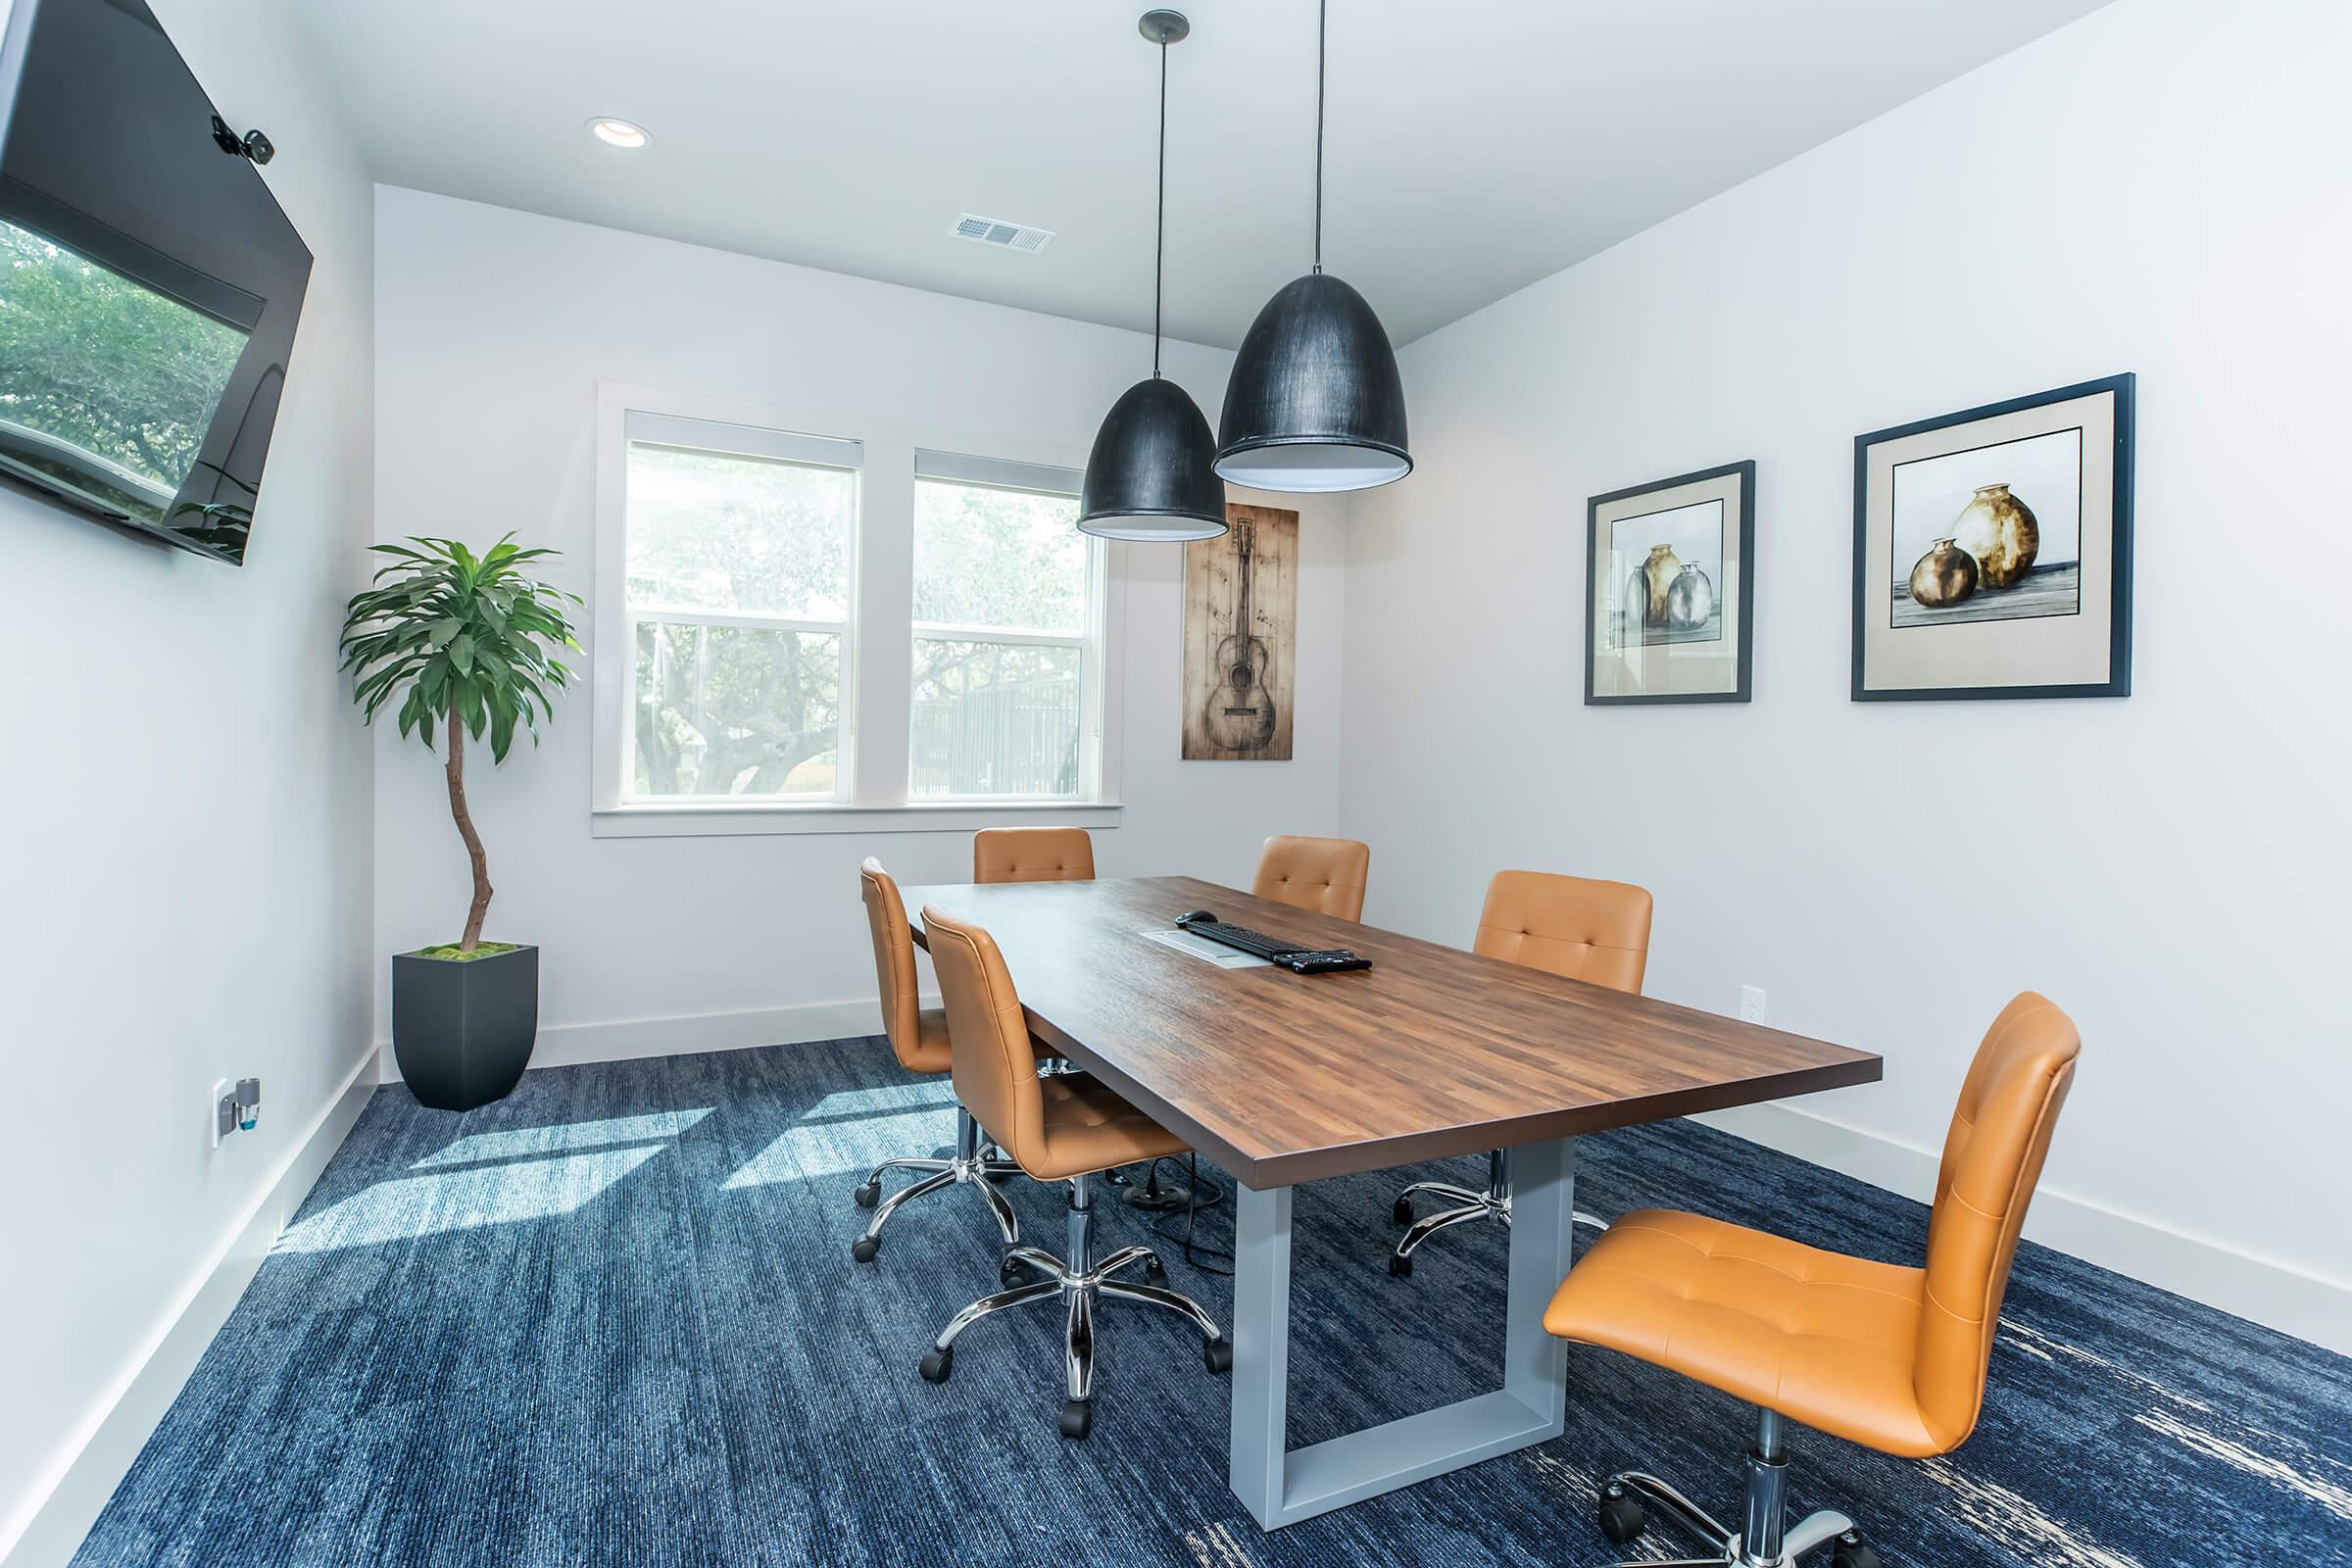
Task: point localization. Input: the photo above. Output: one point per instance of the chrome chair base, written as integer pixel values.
(1077, 1283)
(976, 1163)
(1494, 1204)
(1761, 1542)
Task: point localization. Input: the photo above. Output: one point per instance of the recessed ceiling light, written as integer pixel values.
(617, 132)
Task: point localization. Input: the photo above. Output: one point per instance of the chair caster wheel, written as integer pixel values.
(937, 1364)
(1218, 1354)
(1400, 1265)
(1013, 1272)
(1852, 1554)
(866, 1195)
(1077, 1418)
(1402, 1213)
(1621, 1518)
(1155, 1272)
(864, 1247)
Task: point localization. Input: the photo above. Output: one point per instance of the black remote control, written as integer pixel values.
(1329, 961)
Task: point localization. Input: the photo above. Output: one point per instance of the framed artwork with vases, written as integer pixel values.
(1993, 550)
(1669, 589)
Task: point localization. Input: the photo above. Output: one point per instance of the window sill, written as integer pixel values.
(699, 821)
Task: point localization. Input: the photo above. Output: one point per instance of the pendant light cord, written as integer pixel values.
(1322, 31)
(1159, 241)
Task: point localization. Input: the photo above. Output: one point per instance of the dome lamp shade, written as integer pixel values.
(1315, 403)
(1153, 475)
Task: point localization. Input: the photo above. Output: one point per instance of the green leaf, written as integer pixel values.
(502, 726)
(461, 653)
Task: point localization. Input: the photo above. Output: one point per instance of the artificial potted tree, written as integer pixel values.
(470, 641)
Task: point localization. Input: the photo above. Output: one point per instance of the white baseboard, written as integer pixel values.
(569, 1045)
(67, 1500)
(2262, 1289)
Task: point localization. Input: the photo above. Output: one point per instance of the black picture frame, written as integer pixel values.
(1744, 678)
(2119, 652)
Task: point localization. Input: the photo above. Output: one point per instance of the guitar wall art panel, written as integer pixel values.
(1240, 635)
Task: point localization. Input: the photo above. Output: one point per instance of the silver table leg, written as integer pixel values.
(1281, 1487)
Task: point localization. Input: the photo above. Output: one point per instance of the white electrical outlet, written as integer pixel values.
(1751, 1004)
(219, 1112)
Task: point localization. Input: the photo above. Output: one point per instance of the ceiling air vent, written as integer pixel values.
(995, 231)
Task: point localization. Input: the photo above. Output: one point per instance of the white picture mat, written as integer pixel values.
(2055, 651)
(1666, 669)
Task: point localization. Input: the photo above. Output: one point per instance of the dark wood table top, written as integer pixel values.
(1282, 1078)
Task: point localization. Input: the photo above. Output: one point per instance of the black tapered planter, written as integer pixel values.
(462, 1029)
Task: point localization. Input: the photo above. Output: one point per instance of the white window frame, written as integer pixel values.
(1089, 639)
(752, 441)
(877, 658)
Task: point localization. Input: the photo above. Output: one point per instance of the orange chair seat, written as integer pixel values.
(931, 1053)
(1086, 1127)
(1825, 1338)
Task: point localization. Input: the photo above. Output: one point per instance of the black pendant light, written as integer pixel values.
(1315, 402)
(1152, 471)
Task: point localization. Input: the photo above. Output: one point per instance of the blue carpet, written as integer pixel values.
(613, 1320)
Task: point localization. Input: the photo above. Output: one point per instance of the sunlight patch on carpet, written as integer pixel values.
(825, 1150)
(562, 1138)
(414, 1206)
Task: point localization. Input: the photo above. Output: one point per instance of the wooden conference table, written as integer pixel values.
(1282, 1078)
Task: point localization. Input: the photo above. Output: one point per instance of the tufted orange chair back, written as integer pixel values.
(1032, 854)
(893, 959)
(1992, 1159)
(1567, 925)
(995, 1071)
(1325, 875)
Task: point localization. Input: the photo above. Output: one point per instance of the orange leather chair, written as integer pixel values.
(1063, 1127)
(1032, 854)
(1325, 875)
(1890, 1357)
(918, 1038)
(1565, 926)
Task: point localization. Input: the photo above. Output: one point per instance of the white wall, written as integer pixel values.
(2158, 189)
(187, 795)
(494, 328)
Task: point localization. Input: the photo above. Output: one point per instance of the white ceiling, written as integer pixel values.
(1473, 146)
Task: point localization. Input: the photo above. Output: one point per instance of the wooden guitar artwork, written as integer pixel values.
(1240, 716)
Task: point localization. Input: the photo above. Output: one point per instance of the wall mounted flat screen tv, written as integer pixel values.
(149, 283)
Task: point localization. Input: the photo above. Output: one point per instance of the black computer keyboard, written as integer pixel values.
(1289, 955)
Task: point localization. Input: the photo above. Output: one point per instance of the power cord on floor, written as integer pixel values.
(1205, 1195)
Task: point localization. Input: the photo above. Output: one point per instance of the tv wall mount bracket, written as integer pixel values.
(253, 144)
